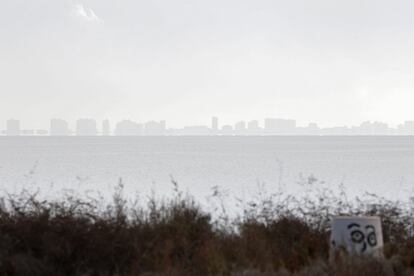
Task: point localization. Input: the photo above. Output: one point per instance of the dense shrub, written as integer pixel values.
(274, 235)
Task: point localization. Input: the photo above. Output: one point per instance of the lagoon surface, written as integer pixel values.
(238, 165)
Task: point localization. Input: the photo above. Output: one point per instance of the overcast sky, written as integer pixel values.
(325, 61)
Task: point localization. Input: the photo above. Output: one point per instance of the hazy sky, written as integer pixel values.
(327, 61)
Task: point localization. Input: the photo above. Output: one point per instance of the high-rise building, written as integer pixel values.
(407, 128)
(59, 127)
(13, 127)
(128, 128)
(365, 128)
(280, 126)
(106, 129)
(214, 124)
(312, 129)
(86, 127)
(163, 125)
(379, 128)
(240, 127)
(227, 130)
(155, 128)
(253, 125)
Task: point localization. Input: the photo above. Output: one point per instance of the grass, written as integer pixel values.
(275, 234)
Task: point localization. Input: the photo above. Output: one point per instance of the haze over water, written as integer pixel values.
(238, 165)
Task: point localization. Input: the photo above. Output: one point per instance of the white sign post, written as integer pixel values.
(357, 235)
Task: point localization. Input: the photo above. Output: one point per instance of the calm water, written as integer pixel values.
(383, 165)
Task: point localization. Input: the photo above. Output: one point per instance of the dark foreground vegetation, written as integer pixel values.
(273, 235)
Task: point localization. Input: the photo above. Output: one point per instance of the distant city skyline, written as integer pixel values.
(330, 62)
(268, 126)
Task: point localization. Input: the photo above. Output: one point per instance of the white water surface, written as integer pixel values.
(238, 165)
